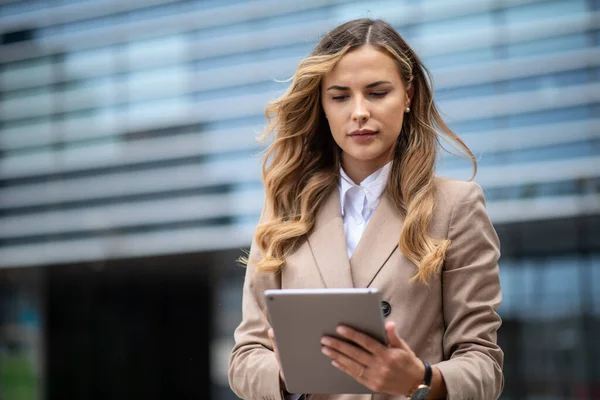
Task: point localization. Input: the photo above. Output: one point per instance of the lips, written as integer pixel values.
(363, 136)
(363, 132)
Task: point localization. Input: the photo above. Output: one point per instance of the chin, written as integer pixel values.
(365, 155)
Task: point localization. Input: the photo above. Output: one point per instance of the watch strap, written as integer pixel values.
(428, 373)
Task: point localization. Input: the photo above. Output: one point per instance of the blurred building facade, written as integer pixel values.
(129, 179)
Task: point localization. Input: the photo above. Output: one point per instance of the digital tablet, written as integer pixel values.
(300, 318)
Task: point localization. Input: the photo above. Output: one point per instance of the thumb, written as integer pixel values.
(393, 339)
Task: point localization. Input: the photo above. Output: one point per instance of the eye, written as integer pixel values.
(340, 97)
(379, 94)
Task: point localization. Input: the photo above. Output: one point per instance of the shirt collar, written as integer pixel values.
(373, 185)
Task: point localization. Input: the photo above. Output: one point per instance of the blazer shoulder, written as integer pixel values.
(454, 191)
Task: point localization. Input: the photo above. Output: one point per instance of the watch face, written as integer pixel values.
(421, 393)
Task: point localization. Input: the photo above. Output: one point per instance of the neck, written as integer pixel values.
(358, 170)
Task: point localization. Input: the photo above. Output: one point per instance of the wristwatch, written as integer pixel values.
(421, 392)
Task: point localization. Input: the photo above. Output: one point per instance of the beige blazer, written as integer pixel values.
(452, 324)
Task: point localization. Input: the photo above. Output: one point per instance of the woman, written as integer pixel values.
(352, 201)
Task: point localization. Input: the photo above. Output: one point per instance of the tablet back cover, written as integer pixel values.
(301, 317)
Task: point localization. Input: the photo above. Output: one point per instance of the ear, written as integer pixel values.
(410, 92)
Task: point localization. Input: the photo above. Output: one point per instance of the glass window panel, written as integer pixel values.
(566, 150)
(166, 111)
(544, 10)
(549, 116)
(149, 52)
(164, 81)
(89, 124)
(89, 93)
(22, 134)
(27, 73)
(26, 104)
(547, 46)
(253, 88)
(89, 63)
(160, 11)
(595, 273)
(27, 162)
(548, 81)
(204, 4)
(526, 295)
(92, 153)
(458, 58)
(22, 6)
(453, 25)
(560, 286)
(509, 278)
(486, 89)
(478, 125)
(107, 21)
(49, 31)
(586, 148)
(359, 9)
(256, 121)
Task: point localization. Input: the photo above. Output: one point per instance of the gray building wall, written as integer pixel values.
(127, 131)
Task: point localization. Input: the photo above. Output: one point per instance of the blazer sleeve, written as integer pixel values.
(253, 368)
(471, 295)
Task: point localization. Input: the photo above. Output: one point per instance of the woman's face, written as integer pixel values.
(364, 100)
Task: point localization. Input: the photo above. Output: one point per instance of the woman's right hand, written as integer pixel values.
(281, 379)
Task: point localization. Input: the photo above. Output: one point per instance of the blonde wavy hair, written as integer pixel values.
(301, 165)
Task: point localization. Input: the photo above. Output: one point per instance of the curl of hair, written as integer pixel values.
(301, 165)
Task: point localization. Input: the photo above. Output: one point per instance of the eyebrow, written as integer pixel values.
(369, 86)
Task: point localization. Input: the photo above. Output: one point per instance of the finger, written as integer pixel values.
(273, 344)
(393, 338)
(347, 349)
(350, 366)
(361, 339)
(360, 379)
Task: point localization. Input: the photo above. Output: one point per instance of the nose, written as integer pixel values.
(360, 113)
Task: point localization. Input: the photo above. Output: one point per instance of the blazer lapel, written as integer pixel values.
(327, 242)
(377, 243)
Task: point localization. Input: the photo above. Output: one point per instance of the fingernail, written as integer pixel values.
(325, 341)
(341, 330)
(335, 364)
(325, 351)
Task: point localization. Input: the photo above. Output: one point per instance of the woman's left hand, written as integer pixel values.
(392, 369)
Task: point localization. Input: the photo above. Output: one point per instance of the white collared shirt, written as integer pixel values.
(359, 201)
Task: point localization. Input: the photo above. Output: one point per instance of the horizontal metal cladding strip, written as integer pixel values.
(262, 71)
(115, 153)
(221, 142)
(519, 103)
(126, 183)
(252, 105)
(259, 71)
(531, 137)
(165, 25)
(61, 14)
(204, 17)
(113, 217)
(425, 46)
(125, 245)
(544, 208)
(456, 110)
(119, 246)
(195, 20)
(530, 172)
(162, 180)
